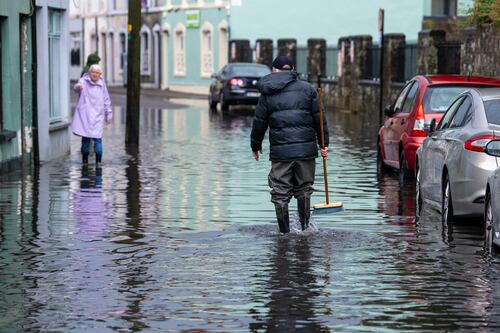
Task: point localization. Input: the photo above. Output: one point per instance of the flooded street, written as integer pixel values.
(181, 236)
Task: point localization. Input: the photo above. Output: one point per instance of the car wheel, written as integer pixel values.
(211, 102)
(418, 195)
(223, 104)
(404, 172)
(447, 202)
(488, 225)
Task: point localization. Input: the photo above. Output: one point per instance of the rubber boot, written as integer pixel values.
(85, 158)
(98, 159)
(283, 218)
(304, 207)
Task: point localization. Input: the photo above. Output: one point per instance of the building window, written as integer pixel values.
(123, 49)
(207, 50)
(145, 51)
(444, 8)
(75, 57)
(180, 50)
(54, 65)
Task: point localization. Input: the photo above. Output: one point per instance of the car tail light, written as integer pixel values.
(478, 143)
(235, 82)
(419, 126)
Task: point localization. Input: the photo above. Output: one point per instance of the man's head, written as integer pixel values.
(282, 63)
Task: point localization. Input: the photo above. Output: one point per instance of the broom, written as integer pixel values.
(328, 207)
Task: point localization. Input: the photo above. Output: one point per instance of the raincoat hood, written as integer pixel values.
(275, 82)
(93, 59)
(99, 82)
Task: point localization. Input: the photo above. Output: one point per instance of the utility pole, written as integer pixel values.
(133, 73)
(381, 29)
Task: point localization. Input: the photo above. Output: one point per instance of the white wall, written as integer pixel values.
(54, 140)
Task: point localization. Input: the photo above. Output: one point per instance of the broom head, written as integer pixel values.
(331, 207)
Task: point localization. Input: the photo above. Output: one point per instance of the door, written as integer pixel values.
(401, 118)
(435, 152)
(390, 135)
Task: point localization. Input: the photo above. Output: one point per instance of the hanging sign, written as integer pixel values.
(192, 19)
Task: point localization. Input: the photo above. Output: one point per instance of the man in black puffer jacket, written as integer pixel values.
(289, 107)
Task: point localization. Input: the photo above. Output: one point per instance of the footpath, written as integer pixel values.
(120, 90)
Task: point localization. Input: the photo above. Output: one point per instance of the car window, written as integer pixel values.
(462, 114)
(399, 101)
(409, 102)
(248, 70)
(445, 121)
(437, 99)
(492, 108)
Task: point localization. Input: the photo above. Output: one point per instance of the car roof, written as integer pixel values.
(461, 79)
(488, 93)
(236, 64)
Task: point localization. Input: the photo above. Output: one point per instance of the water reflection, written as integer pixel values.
(293, 289)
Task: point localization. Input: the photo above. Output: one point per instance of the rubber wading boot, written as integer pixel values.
(304, 207)
(283, 218)
(85, 158)
(98, 159)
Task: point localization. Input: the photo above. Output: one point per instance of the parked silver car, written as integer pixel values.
(452, 165)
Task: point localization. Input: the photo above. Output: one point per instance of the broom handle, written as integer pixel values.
(322, 131)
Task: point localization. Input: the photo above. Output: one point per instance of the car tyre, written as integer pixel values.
(447, 202)
(223, 104)
(418, 194)
(489, 230)
(211, 102)
(404, 172)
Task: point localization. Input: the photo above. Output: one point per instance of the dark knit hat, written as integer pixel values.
(282, 62)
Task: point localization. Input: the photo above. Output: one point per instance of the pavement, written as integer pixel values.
(178, 93)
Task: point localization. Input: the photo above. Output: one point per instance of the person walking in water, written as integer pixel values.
(289, 107)
(92, 110)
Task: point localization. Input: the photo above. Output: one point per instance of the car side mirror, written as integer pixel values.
(493, 148)
(432, 126)
(388, 110)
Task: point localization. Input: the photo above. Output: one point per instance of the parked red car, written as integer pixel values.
(425, 97)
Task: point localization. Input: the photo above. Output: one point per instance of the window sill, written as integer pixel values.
(6, 135)
(60, 125)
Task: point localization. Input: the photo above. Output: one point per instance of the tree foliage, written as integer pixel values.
(486, 12)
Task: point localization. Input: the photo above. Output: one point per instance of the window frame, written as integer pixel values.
(54, 48)
(451, 110)
(468, 111)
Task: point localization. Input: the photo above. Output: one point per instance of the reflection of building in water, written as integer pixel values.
(18, 233)
(196, 189)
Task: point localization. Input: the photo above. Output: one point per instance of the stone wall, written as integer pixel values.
(480, 53)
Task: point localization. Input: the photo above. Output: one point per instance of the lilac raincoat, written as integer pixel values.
(94, 106)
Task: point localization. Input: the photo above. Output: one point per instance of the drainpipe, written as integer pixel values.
(34, 81)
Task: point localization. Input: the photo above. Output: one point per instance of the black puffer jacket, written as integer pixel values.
(289, 107)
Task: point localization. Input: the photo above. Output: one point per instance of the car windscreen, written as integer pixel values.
(252, 71)
(492, 109)
(438, 99)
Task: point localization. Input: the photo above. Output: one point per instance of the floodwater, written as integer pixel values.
(181, 237)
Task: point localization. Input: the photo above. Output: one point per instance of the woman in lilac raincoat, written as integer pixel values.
(93, 109)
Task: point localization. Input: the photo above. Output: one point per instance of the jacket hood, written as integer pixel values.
(275, 82)
(99, 82)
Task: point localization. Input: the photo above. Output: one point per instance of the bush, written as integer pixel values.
(486, 12)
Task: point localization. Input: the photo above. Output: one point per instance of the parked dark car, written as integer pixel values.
(236, 83)
(424, 98)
